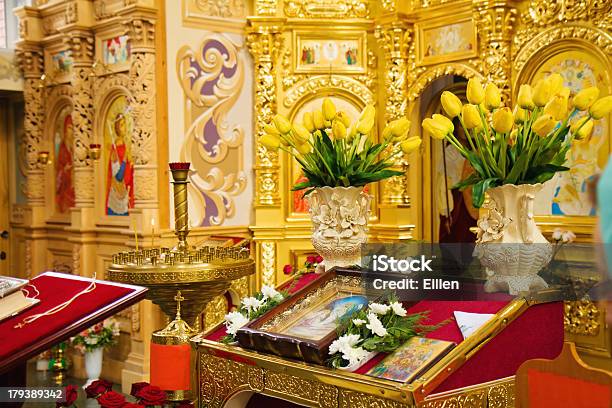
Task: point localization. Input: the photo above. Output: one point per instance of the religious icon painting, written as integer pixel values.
(119, 167)
(116, 50)
(64, 171)
(440, 41)
(62, 62)
(340, 53)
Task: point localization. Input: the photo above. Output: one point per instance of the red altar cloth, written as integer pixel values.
(537, 333)
(108, 298)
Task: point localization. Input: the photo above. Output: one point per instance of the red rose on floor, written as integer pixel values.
(151, 395)
(71, 396)
(97, 388)
(136, 387)
(111, 399)
(319, 259)
(287, 269)
(311, 259)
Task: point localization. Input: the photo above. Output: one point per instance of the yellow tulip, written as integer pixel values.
(434, 128)
(300, 133)
(585, 98)
(582, 127)
(329, 109)
(271, 141)
(502, 120)
(282, 124)
(601, 108)
(525, 100)
(475, 93)
(470, 116)
(303, 148)
(344, 118)
(352, 133)
(411, 144)
(492, 96)
(541, 92)
(318, 120)
(520, 115)
(307, 122)
(451, 104)
(327, 123)
(513, 136)
(338, 129)
(543, 125)
(364, 126)
(585, 132)
(367, 113)
(557, 107)
(386, 134)
(399, 126)
(556, 83)
(269, 128)
(444, 121)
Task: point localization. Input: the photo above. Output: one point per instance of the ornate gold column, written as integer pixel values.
(80, 42)
(394, 36)
(140, 22)
(496, 21)
(264, 42)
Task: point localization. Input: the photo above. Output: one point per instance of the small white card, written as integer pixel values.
(470, 322)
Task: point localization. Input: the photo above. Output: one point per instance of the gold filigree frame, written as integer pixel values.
(420, 29)
(298, 36)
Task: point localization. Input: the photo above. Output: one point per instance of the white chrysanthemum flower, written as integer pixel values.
(355, 355)
(557, 234)
(269, 292)
(379, 308)
(251, 304)
(234, 321)
(376, 325)
(359, 322)
(343, 343)
(398, 309)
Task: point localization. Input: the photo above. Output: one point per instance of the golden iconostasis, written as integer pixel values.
(115, 89)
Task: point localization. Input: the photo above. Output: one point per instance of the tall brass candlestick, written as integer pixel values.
(180, 172)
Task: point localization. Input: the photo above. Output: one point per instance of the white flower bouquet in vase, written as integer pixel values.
(339, 159)
(91, 343)
(512, 152)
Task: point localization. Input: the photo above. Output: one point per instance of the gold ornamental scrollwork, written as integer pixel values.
(265, 7)
(327, 8)
(581, 317)
(264, 43)
(595, 36)
(314, 83)
(216, 61)
(495, 29)
(268, 263)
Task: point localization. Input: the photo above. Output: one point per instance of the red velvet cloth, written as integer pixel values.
(54, 291)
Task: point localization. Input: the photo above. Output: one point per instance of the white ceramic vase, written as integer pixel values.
(510, 245)
(339, 224)
(93, 365)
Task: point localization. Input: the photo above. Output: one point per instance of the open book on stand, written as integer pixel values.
(12, 298)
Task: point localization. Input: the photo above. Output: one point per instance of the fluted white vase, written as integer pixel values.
(339, 224)
(93, 365)
(510, 245)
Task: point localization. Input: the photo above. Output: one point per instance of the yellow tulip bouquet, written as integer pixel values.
(333, 152)
(524, 146)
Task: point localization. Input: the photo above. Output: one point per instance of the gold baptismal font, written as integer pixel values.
(196, 275)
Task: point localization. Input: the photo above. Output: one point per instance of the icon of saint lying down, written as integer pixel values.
(323, 320)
